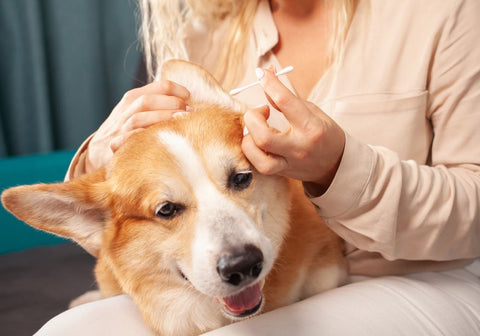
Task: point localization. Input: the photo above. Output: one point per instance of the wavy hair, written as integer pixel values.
(163, 24)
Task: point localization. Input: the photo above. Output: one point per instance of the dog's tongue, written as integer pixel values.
(246, 300)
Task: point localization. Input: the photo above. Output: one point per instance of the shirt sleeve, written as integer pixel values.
(405, 210)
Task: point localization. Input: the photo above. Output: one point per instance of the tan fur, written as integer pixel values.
(112, 214)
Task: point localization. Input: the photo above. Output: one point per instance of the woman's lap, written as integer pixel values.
(446, 303)
(113, 316)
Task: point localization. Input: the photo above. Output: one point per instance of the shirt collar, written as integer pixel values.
(264, 29)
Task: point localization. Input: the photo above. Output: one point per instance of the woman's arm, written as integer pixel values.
(403, 209)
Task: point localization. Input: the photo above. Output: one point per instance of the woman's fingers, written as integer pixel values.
(138, 108)
(282, 98)
(155, 102)
(265, 163)
(147, 105)
(162, 87)
(118, 141)
(309, 150)
(256, 121)
(145, 119)
(265, 137)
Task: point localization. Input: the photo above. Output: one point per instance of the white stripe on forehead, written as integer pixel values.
(187, 158)
(210, 200)
(212, 203)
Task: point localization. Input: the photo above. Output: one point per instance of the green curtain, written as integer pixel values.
(63, 66)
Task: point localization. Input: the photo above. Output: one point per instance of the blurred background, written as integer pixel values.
(64, 64)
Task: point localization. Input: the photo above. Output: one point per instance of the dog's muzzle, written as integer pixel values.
(241, 267)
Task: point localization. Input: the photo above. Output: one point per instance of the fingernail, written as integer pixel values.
(178, 114)
(188, 108)
(258, 106)
(259, 73)
(245, 131)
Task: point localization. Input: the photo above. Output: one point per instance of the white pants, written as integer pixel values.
(446, 303)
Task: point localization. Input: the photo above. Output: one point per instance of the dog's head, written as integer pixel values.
(179, 208)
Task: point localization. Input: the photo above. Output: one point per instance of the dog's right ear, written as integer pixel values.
(71, 209)
(203, 87)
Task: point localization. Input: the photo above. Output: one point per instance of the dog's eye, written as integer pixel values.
(168, 210)
(240, 180)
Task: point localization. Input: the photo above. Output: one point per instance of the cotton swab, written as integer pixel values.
(279, 73)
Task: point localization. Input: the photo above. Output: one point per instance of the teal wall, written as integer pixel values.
(64, 64)
(14, 234)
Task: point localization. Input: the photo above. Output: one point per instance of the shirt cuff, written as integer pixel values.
(350, 181)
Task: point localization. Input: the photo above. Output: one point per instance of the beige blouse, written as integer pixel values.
(406, 196)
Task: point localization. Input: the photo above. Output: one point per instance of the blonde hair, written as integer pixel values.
(342, 16)
(164, 22)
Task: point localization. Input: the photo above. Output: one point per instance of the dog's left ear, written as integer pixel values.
(203, 87)
(71, 209)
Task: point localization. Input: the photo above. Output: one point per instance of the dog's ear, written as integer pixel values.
(72, 209)
(203, 87)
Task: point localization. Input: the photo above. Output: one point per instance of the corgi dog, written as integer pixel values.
(181, 222)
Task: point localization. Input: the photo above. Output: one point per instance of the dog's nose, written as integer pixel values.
(241, 266)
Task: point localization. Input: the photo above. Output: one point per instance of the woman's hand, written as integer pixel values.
(309, 150)
(138, 109)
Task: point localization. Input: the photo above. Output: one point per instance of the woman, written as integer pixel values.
(380, 120)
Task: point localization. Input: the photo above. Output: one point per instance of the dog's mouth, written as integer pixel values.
(243, 304)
